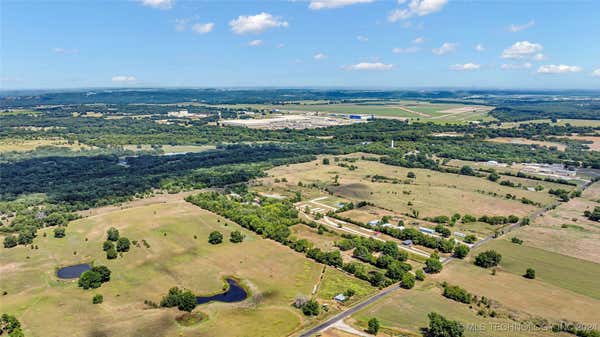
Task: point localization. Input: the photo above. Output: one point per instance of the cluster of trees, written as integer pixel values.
(183, 299)
(11, 325)
(498, 219)
(440, 326)
(122, 243)
(487, 259)
(441, 244)
(93, 278)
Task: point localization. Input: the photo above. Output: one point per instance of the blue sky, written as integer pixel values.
(319, 43)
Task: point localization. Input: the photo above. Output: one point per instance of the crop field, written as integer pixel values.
(272, 273)
(431, 193)
(399, 109)
(566, 230)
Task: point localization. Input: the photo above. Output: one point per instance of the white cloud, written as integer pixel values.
(418, 8)
(123, 78)
(181, 24)
(445, 48)
(418, 40)
(362, 38)
(370, 66)
(406, 50)
(324, 4)
(539, 57)
(517, 28)
(319, 56)
(522, 49)
(65, 51)
(514, 66)
(465, 67)
(479, 47)
(256, 23)
(596, 73)
(255, 43)
(203, 28)
(160, 4)
(558, 69)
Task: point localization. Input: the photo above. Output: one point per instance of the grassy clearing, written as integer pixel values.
(172, 148)
(574, 122)
(325, 241)
(405, 313)
(577, 275)
(432, 193)
(47, 306)
(525, 141)
(336, 282)
(22, 145)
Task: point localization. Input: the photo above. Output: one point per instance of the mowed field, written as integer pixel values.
(524, 141)
(432, 193)
(274, 275)
(404, 109)
(566, 230)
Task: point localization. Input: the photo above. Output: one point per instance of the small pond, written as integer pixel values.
(235, 293)
(73, 271)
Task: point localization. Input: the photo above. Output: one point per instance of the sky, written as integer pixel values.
(314, 43)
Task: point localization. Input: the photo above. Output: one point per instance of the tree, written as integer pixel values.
(593, 215)
(90, 280)
(349, 293)
(111, 253)
(10, 241)
(325, 161)
(420, 275)
(395, 271)
(9, 324)
(460, 251)
(390, 248)
(108, 245)
(467, 170)
(489, 258)
(311, 308)
(373, 328)
(408, 281)
(433, 264)
(55, 219)
(59, 232)
(97, 299)
(187, 301)
(411, 175)
(493, 176)
(529, 273)
(470, 238)
(123, 244)
(439, 326)
(236, 237)
(215, 237)
(112, 234)
(103, 271)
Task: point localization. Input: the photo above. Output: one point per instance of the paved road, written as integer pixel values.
(350, 311)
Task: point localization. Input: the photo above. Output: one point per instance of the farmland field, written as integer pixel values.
(274, 274)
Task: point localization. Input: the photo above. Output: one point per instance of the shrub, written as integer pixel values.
(439, 326)
(470, 238)
(457, 293)
(236, 237)
(112, 234)
(215, 237)
(59, 232)
(311, 308)
(111, 254)
(123, 244)
(420, 275)
(489, 258)
(467, 171)
(184, 300)
(10, 241)
(374, 325)
(97, 299)
(408, 281)
(516, 240)
(108, 245)
(529, 273)
(460, 251)
(433, 264)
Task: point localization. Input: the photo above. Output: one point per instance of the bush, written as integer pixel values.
(215, 238)
(111, 254)
(94, 277)
(489, 258)
(59, 232)
(108, 245)
(184, 300)
(470, 238)
(457, 293)
(516, 240)
(97, 299)
(460, 251)
(311, 308)
(236, 237)
(433, 264)
(112, 234)
(123, 244)
(408, 281)
(411, 175)
(467, 171)
(529, 273)
(10, 241)
(11, 325)
(374, 325)
(420, 275)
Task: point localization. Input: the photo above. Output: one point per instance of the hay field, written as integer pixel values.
(47, 306)
(23, 145)
(524, 141)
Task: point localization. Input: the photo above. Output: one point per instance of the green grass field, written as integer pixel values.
(47, 306)
(577, 275)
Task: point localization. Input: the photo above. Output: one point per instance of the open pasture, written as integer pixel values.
(47, 306)
(22, 145)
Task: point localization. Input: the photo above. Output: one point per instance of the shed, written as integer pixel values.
(340, 298)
